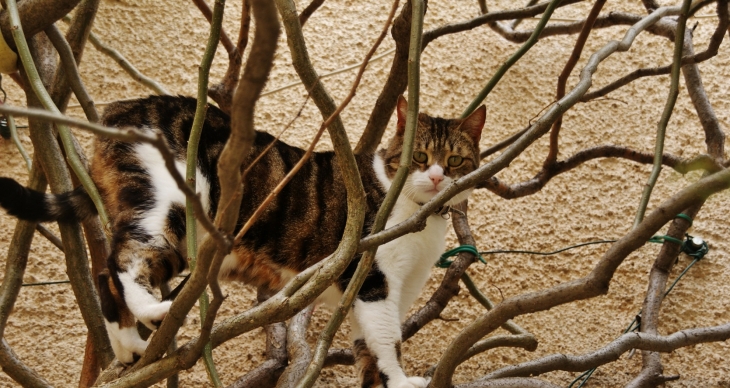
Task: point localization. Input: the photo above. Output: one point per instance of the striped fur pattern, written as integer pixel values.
(302, 226)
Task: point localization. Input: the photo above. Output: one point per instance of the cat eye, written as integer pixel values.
(420, 157)
(455, 161)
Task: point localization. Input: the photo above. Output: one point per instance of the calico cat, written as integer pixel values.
(302, 226)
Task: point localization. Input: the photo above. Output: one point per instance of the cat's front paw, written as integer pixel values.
(153, 314)
(412, 382)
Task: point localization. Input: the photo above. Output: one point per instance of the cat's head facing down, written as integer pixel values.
(444, 150)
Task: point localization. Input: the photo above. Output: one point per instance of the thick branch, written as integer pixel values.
(35, 16)
(394, 86)
(596, 283)
(15, 264)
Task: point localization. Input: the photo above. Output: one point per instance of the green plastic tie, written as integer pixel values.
(660, 239)
(444, 263)
(685, 217)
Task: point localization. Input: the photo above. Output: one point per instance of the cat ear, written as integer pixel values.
(474, 124)
(402, 109)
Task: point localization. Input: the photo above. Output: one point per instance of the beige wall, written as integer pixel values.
(165, 40)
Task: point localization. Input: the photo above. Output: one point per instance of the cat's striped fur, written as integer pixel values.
(302, 226)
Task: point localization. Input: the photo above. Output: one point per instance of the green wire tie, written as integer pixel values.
(444, 263)
(685, 217)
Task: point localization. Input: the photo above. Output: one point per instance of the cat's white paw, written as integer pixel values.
(128, 346)
(153, 314)
(412, 382)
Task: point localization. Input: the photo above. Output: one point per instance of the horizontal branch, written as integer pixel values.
(614, 350)
(510, 382)
(534, 185)
(487, 18)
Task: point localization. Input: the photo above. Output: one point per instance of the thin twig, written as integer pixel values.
(552, 156)
(667, 114)
(127, 66)
(511, 60)
(72, 72)
(191, 239)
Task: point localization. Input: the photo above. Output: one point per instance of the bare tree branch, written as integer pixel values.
(35, 16)
(614, 350)
(534, 185)
(509, 382)
(222, 92)
(596, 283)
(15, 264)
(208, 14)
(300, 355)
(563, 79)
(311, 9)
(394, 86)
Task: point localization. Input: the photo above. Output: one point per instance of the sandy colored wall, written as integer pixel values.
(165, 40)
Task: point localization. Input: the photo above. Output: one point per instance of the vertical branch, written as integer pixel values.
(15, 265)
(668, 109)
(297, 349)
(363, 268)
(222, 36)
(40, 91)
(71, 76)
(714, 139)
(394, 86)
(222, 92)
(58, 176)
(563, 79)
(216, 20)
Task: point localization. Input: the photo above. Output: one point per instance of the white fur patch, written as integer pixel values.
(125, 342)
(418, 186)
(143, 305)
(165, 189)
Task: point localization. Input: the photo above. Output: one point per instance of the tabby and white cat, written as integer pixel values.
(302, 226)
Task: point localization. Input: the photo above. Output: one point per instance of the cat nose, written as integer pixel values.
(436, 174)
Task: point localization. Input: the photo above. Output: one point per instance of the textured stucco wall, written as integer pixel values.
(165, 40)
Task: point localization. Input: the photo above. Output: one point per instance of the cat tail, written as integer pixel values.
(30, 205)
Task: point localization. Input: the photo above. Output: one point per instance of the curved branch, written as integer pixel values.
(534, 185)
(614, 350)
(311, 8)
(394, 86)
(710, 52)
(491, 17)
(563, 78)
(596, 283)
(510, 382)
(35, 16)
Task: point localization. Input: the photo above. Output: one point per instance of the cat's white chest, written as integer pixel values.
(407, 261)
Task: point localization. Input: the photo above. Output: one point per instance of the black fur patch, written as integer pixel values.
(109, 307)
(375, 286)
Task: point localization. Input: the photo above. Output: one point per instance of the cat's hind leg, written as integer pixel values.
(125, 340)
(377, 351)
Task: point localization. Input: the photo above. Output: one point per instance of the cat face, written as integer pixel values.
(444, 150)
